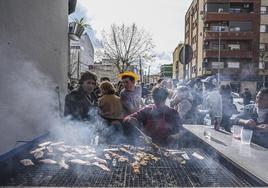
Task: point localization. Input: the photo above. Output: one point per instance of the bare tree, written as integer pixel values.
(126, 45)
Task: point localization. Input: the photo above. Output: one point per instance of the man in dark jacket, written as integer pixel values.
(257, 119)
(79, 102)
(158, 121)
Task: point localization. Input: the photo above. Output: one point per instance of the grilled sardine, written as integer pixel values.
(26, 162)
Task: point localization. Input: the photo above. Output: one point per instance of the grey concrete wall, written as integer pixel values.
(33, 61)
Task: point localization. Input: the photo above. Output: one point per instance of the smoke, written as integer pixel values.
(28, 100)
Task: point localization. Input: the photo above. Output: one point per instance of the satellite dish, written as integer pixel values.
(188, 54)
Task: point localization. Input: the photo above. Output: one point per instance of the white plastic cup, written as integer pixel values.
(246, 136)
(237, 131)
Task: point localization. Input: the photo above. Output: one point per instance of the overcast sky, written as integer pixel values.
(164, 19)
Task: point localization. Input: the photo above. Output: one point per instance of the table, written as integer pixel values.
(252, 158)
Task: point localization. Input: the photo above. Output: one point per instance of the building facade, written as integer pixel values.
(166, 70)
(81, 57)
(106, 68)
(225, 37)
(34, 56)
(263, 56)
(177, 66)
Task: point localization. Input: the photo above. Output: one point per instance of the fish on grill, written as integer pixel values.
(107, 156)
(169, 152)
(99, 160)
(68, 155)
(44, 144)
(37, 150)
(62, 149)
(89, 156)
(38, 154)
(57, 143)
(198, 156)
(62, 164)
(126, 150)
(80, 151)
(27, 162)
(102, 166)
(48, 161)
(118, 157)
(50, 149)
(79, 161)
(185, 156)
(179, 159)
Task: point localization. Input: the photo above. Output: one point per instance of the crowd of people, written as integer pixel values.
(160, 109)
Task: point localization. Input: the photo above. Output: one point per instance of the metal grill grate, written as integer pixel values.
(164, 173)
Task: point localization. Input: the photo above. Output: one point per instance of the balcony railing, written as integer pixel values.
(226, 53)
(208, 35)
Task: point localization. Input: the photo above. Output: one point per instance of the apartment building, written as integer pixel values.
(263, 56)
(224, 35)
(166, 70)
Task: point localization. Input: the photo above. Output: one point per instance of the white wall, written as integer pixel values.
(33, 61)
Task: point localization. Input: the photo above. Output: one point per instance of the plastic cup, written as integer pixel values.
(207, 131)
(237, 131)
(246, 136)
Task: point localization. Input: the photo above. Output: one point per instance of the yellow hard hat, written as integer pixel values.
(129, 73)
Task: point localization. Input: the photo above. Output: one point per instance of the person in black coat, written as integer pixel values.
(80, 101)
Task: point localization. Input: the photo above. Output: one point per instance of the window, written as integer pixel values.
(263, 10)
(262, 47)
(263, 28)
(234, 46)
(233, 65)
(194, 69)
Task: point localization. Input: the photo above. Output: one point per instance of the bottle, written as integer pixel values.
(207, 126)
(207, 120)
(216, 124)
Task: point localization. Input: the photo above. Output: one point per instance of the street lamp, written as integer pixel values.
(219, 55)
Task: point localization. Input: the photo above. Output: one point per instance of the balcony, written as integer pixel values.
(214, 53)
(229, 16)
(236, 35)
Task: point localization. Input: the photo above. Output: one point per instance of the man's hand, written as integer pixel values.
(262, 128)
(131, 120)
(250, 123)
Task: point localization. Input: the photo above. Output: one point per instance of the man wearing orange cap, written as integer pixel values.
(131, 94)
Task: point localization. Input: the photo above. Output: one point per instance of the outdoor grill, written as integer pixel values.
(212, 170)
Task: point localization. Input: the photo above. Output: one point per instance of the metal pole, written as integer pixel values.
(183, 60)
(140, 70)
(78, 65)
(219, 56)
(149, 73)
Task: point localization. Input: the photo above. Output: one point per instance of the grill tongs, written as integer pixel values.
(149, 141)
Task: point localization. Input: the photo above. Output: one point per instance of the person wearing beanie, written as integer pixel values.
(80, 101)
